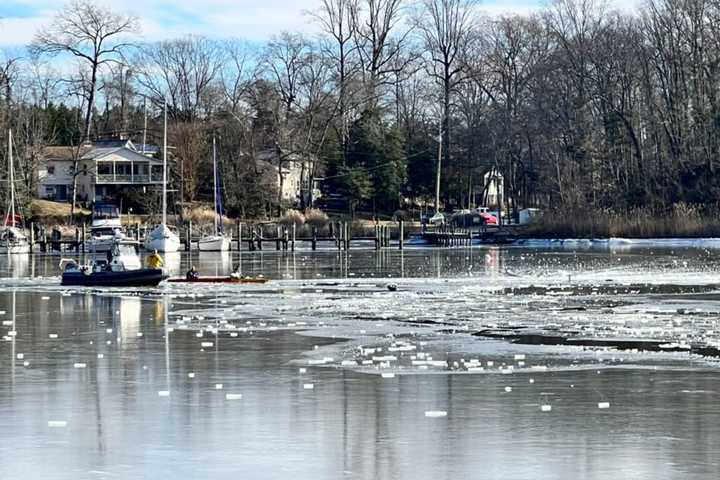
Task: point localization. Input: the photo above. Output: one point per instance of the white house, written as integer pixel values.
(494, 183)
(104, 169)
(294, 176)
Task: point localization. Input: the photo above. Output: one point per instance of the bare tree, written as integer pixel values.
(90, 32)
(185, 72)
(380, 40)
(445, 28)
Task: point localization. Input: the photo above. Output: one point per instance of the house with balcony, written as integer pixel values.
(104, 170)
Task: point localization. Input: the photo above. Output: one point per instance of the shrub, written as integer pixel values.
(316, 218)
(292, 217)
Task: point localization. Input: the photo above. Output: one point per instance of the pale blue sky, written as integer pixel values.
(249, 19)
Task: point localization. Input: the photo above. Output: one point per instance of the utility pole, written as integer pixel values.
(439, 165)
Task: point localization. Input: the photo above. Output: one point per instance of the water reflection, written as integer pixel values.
(662, 422)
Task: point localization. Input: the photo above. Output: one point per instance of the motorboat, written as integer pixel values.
(106, 228)
(121, 268)
(13, 240)
(217, 242)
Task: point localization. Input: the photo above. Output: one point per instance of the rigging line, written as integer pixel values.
(368, 169)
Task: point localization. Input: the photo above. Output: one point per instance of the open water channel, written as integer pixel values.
(548, 360)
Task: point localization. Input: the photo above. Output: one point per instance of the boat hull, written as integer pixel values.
(15, 249)
(146, 277)
(162, 240)
(103, 244)
(215, 243)
(220, 280)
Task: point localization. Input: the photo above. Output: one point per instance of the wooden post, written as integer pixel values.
(83, 237)
(260, 238)
(188, 236)
(294, 233)
(251, 240)
(347, 236)
(314, 238)
(77, 240)
(277, 238)
(32, 236)
(238, 228)
(285, 239)
(338, 237)
(401, 238)
(377, 237)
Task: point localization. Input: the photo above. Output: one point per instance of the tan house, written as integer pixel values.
(294, 176)
(104, 169)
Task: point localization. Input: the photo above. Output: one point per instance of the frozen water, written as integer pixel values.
(646, 318)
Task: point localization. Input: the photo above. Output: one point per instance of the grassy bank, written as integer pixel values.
(680, 221)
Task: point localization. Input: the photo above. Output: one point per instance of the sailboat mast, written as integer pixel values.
(215, 190)
(11, 172)
(144, 126)
(164, 199)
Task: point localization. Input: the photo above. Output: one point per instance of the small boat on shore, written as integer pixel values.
(122, 268)
(228, 279)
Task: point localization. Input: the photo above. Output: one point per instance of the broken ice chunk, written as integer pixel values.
(308, 386)
(435, 413)
(233, 396)
(603, 405)
(546, 408)
(163, 393)
(57, 423)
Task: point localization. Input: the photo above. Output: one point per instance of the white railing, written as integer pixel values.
(122, 178)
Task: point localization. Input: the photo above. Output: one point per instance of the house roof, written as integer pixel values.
(97, 151)
(65, 152)
(125, 152)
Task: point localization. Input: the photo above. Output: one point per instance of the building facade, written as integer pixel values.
(104, 170)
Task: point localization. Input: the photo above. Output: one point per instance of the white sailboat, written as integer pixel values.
(13, 240)
(217, 242)
(162, 238)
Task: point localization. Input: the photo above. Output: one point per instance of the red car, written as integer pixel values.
(489, 219)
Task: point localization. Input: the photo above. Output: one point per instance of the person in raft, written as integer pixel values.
(192, 274)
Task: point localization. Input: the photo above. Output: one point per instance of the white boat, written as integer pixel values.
(13, 240)
(214, 243)
(106, 228)
(162, 239)
(217, 242)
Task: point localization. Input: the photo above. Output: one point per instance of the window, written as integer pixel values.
(51, 169)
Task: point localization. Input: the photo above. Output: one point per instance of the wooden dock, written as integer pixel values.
(269, 236)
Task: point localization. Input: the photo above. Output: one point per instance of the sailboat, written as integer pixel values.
(12, 239)
(217, 242)
(162, 238)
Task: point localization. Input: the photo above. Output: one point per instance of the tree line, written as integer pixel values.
(578, 106)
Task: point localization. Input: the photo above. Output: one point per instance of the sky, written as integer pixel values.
(255, 20)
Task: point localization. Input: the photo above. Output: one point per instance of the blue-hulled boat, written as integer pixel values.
(145, 277)
(122, 268)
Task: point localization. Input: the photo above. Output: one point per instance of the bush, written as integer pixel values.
(292, 217)
(680, 220)
(316, 218)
